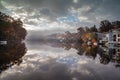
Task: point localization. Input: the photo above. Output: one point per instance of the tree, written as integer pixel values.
(93, 29)
(19, 30)
(87, 29)
(11, 54)
(11, 29)
(105, 26)
(116, 24)
(81, 30)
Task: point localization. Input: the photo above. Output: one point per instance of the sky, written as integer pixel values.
(54, 16)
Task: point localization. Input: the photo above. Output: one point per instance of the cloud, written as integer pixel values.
(60, 8)
(36, 13)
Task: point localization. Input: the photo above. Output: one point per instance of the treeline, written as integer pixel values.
(104, 26)
(11, 29)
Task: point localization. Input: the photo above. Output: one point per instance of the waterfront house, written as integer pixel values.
(114, 36)
(111, 38)
(3, 42)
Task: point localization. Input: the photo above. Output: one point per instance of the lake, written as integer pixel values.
(53, 61)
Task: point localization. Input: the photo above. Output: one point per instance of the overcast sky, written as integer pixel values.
(61, 15)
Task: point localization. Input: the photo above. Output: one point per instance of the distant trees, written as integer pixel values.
(86, 34)
(81, 30)
(87, 43)
(93, 29)
(116, 24)
(11, 28)
(105, 26)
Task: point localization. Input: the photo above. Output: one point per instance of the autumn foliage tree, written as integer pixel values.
(11, 29)
(104, 26)
(93, 29)
(19, 30)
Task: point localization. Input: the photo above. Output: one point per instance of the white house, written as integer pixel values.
(111, 38)
(102, 37)
(114, 36)
(3, 42)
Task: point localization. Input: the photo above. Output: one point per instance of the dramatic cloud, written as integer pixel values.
(42, 14)
(61, 7)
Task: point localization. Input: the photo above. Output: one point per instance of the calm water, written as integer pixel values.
(52, 61)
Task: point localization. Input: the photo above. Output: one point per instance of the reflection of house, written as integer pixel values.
(117, 50)
(113, 54)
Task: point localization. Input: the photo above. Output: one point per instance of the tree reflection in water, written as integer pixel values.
(11, 54)
(106, 54)
(110, 55)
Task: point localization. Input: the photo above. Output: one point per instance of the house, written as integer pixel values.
(111, 38)
(114, 36)
(3, 42)
(102, 37)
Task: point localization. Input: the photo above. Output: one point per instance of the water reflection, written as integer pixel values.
(11, 54)
(105, 54)
(56, 60)
(49, 61)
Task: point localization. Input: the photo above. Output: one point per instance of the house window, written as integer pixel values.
(119, 40)
(118, 50)
(114, 37)
(118, 35)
